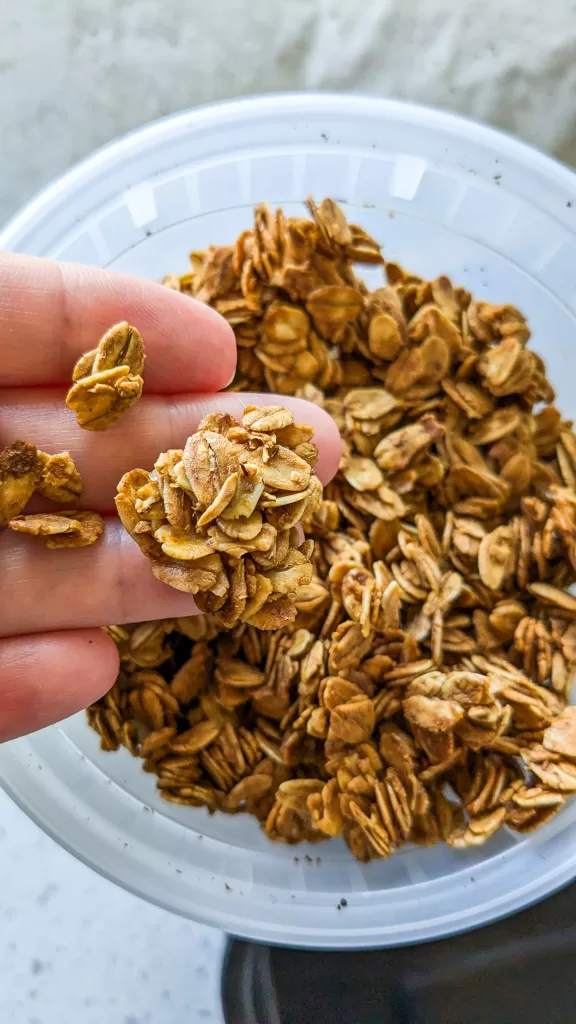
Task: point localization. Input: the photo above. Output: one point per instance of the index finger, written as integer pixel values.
(50, 313)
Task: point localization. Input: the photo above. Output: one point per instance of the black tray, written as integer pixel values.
(519, 971)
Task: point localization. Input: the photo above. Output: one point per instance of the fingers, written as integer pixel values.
(152, 426)
(107, 583)
(52, 312)
(110, 582)
(47, 677)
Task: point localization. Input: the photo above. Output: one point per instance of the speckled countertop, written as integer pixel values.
(75, 949)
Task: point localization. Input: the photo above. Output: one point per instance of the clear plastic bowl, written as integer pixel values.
(442, 195)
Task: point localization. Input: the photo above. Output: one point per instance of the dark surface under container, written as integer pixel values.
(518, 971)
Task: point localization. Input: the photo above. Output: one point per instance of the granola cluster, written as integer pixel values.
(218, 519)
(421, 692)
(107, 381)
(24, 471)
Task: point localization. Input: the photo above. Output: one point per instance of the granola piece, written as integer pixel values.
(44, 525)
(560, 736)
(139, 507)
(108, 380)
(474, 402)
(361, 473)
(353, 721)
(397, 749)
(247, 794)
(324, 808)
(295, 793)
(334, 230)
(333, 306)
(496, 557)
(91, 528)
(478, 830)
(556, 776)
(432, 713)
(196, 738)
(20, 473)
(218, 519)
(528, 808)
(505, 617)
(395, 800)
(60, 480)
(70, 529)
(397, 450)
(24, 469)
(548, 594)
(207, 574)
(373, 830)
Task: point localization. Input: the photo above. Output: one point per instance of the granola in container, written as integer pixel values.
(421, 692)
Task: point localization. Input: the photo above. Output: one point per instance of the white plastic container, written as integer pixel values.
(442, 195)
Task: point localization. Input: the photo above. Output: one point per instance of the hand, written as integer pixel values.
(54, 658)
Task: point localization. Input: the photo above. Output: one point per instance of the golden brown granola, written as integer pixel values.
(24, 469)
(421, 692)
(107, 380)
(71, 529)
(20, 474)
(218, 518)
(60, 480)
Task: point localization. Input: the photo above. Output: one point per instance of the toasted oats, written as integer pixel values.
(560, 736)
(91, 527)
(107, 381)
(478, 830)
(45, 524)
(23, 471)
(60, 480)
(20, 475)
(218, 518)
(427, 644)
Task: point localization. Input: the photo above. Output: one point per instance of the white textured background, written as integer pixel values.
(76, 73)
(74, 949)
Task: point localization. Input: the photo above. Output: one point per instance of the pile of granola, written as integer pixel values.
(421, 693)
(218, 518)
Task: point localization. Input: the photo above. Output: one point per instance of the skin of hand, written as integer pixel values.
(54, 657)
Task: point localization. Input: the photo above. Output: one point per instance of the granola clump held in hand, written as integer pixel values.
(108, 380)
(218, 519)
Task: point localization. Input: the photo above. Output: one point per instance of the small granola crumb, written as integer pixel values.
(20, 473)
(60, 480)
(74, 529)
(107, 380)
(218, 518)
